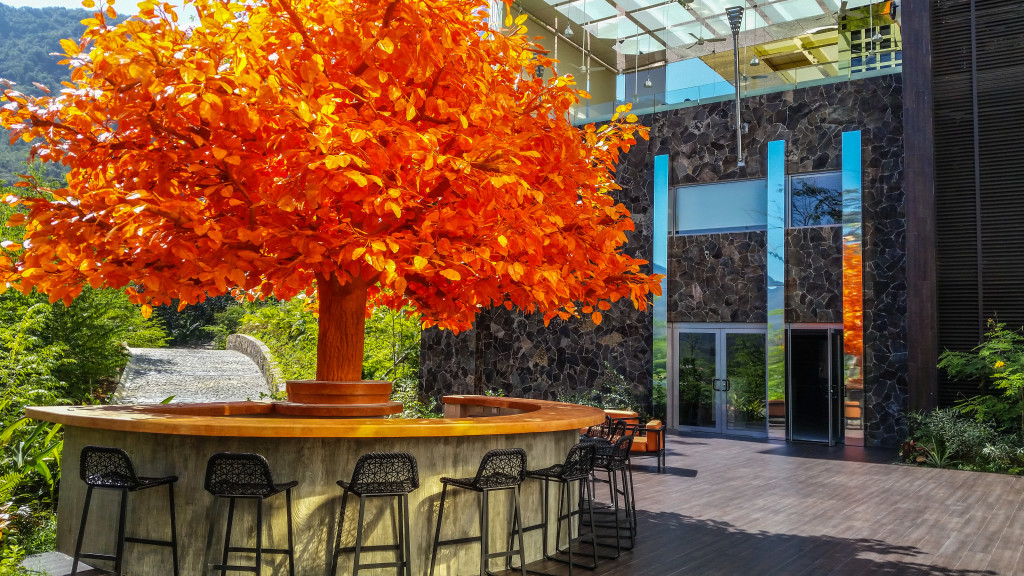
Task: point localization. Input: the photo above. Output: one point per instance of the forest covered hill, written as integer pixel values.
(28, 37)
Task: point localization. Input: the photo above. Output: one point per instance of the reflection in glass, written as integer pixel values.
(722, 207)
(659, 262)
(697, 357)
(775, 357)
(745, 381)
(853, 287)
(816, 200)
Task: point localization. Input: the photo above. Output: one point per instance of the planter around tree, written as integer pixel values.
(324, 398)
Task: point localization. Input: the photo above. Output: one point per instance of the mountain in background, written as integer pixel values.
(27, 38)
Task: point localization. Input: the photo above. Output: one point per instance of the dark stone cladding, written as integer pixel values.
(522, 357)
(721, 277)
(814, 274)
(717, 278)
(517, 355)
(701, 145)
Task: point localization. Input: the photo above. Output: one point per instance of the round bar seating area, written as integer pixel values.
(178, 439)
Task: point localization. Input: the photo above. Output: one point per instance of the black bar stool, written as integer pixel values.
(502, 469)
(246, 476)
(376, 475)
(112, 469)
(578, 466)
(612, 458)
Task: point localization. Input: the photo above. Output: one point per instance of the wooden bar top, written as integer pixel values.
(259, 419)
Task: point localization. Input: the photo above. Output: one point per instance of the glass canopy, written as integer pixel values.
(782, 43)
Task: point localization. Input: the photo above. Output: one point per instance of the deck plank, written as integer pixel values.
(738, 507)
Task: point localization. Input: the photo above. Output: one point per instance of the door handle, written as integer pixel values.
(714, 384)
(728, 384)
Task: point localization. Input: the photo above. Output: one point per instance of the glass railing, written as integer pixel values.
(755, 85)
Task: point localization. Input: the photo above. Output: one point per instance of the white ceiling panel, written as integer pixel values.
(617, 27)
(790, 10)
(663, 16)
(586, 11)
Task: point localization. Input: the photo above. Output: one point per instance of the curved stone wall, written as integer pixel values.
(259, 353)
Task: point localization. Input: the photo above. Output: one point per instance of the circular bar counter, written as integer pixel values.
(178, 439)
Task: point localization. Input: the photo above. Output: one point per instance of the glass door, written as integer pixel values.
(697, 379)
(815, 373)
(744, 383)
(718, 384)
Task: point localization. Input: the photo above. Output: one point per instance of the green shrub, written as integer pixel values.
(391, 349)
(997, 366)
(964, 438)
(948, 438)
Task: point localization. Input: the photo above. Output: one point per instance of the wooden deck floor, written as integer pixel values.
(764, 508)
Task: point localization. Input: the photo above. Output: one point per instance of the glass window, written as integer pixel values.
(721, 207)
(816, 199)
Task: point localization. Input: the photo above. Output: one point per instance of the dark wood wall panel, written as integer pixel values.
(978, 66)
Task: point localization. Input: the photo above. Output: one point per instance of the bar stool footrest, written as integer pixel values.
(235, 568)
(96, 556)
(253, 550)
(374, 548)
(148, 541)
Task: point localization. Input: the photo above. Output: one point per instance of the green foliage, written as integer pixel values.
(192, 325)
(391, 349)
(948, 437)
(30, 36)
(997, 366)
(51, 354)
(225, 323)
(611, 392)
(290, 331)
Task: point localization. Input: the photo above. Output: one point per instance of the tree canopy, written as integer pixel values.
(399, 152)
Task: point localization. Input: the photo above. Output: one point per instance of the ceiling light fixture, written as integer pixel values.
(735, 15)
(568, 32)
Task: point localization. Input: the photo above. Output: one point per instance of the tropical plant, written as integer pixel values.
(997, 366)
(371, 153)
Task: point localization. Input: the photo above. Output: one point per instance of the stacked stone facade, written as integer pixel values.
(720, 277)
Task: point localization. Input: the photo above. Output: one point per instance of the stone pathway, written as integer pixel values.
(190, 375)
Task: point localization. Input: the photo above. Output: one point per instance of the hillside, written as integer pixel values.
(27, 38)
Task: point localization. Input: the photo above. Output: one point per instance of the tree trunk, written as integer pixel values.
(339, 353)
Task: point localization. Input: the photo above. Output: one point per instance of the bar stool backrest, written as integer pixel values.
(611, 429)
(106, 467)
(238, 474)
(616, 456)
(579, 463)
(501, 468)
(386, 472)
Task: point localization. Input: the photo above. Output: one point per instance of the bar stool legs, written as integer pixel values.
(499, 470)
(112, 469)
(380, 475)
(401, 546)
(246, 476)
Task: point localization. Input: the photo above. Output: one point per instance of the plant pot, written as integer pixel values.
(324, 398)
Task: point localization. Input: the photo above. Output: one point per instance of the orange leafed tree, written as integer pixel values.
(397, 153)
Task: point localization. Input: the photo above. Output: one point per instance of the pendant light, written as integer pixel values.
(735, 15)
(755, 61)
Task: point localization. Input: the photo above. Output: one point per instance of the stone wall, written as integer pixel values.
(701, 144)
(518, 354)
(259, 353)
(721, 277)
(717, 278)
(814, 274)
